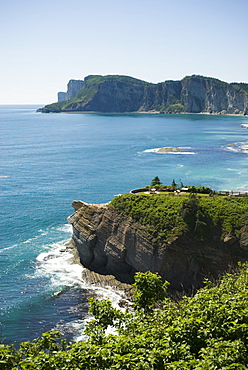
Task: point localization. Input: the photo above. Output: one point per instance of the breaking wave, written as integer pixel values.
(64, 278)
(238, 147)
(171, 150)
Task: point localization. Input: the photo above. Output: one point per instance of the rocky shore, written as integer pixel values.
(108, 244)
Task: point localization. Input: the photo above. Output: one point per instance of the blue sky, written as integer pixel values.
(45, 43)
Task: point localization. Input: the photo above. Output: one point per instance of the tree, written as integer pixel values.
(149, 290)
(206, 331)
(174, 184)
(181, 184)
(156, 181)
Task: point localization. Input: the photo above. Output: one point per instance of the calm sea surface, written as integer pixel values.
(48, 160)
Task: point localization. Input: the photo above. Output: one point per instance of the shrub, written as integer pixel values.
(206, 331)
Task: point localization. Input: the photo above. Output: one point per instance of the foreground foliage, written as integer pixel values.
(207, 331)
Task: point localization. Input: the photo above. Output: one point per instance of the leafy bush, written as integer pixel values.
(176, 108)
(206, 331)
(200, 189)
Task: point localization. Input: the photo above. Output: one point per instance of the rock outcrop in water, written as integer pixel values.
(108, 243)
(193, 94)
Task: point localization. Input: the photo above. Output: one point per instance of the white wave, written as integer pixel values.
(57, 264)
(40, 234)
(4, 177)
(186, 153)
(59, 267)
(171, 150)
(238, 147)
(233, 169)
(7, 248)
(67, 228)
(244, 125)
(75, 327)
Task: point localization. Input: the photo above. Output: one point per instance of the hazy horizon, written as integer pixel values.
(44, 44)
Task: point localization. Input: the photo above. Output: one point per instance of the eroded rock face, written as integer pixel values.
(195, 94)
(73, 87)
(107, 243)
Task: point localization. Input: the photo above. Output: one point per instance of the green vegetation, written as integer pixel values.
(161, 215)
(94, 79)
(174, 184)
(82, 96)
(149, 291)
(215, 81)
(91, 86)
(55, 107)
(156, 181)
(200, 189)
(208, 331)
(168, 216)
(176, 108)
(94, 82)
(240, 87)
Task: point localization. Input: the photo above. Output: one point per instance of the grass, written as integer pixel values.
(163, 193)
(167, 216)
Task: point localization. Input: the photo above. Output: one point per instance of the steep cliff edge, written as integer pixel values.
(113, 93)
(109, 242)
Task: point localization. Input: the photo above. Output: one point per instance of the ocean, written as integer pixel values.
(49, 160)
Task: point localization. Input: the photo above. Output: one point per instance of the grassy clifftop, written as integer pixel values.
(169, 216)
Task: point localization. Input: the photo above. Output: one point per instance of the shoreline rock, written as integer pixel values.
(98, 279)
(110, 244)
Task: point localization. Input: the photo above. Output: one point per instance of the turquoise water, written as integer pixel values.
(48, 160)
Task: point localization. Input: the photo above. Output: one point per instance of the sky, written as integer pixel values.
(45, 43)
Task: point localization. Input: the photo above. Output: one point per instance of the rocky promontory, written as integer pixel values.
(120, 94)
(109, 242)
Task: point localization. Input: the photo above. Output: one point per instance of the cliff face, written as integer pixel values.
(208, 95)
(112, 96)
(109, 244)
(194, 94)
(73, 87)
(61, 96)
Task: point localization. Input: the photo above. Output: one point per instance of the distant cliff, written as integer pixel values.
(110, 242)
(113, 93)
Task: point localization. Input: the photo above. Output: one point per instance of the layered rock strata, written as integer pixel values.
(108, 243)
(192, 94)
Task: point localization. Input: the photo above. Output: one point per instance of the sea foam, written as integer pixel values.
(57, 265)
(238, 147)
(171, 150)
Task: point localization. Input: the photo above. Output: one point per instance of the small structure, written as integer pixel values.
(153, 190)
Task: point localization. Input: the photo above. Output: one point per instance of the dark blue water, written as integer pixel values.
(48, 160)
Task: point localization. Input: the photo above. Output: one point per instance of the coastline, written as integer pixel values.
(97, 279)
(39, 110)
